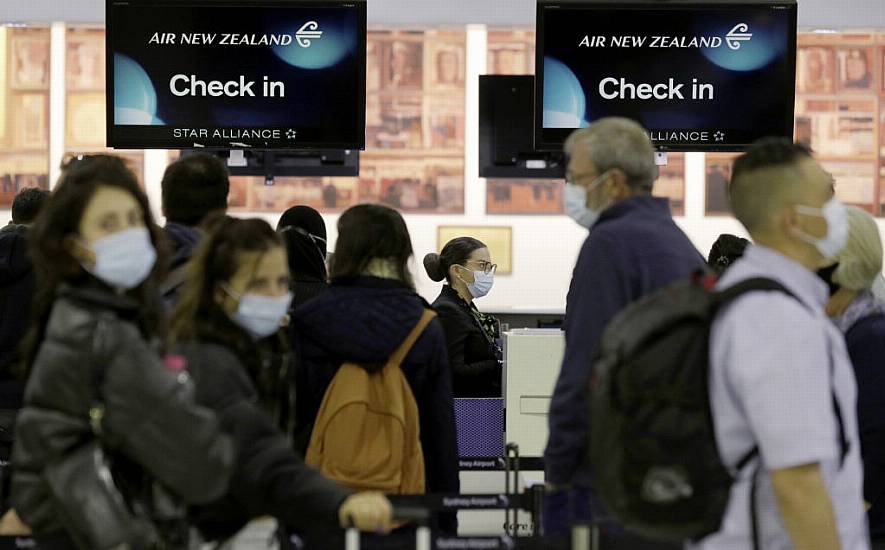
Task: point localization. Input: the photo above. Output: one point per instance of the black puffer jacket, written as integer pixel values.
(269, 478)
(149, 411)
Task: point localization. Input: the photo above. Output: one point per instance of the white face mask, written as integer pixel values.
(482, 283)
(124, 259)
(574, 201)
(836, 216)
(260, 315)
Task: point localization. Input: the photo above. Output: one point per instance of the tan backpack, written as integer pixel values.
(367, 433)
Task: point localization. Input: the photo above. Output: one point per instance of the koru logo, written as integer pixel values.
(740, 33)
(307, 33)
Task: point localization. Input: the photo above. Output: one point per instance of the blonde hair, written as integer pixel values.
(860, 262)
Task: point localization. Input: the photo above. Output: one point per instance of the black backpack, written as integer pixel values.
(652, 445)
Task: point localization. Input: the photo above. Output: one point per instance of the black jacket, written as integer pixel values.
(364, 320)
(474, 360)
(183, 242)
(304, 288)
(269, 479)
(17, 287)
(149, 412)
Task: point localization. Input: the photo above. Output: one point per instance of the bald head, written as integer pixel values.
(771, 175)
(616, 143)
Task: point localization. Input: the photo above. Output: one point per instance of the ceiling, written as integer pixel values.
(812, 13)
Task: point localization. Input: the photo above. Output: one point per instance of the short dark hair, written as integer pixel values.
(367, 232)
(193, 187)
(725, 251)
(763, 178)
(455, 252)
(27, 204)
(769, 153)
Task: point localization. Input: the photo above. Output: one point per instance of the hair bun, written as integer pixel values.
(433, 267)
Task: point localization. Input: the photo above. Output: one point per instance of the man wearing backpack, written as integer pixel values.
(633, 249)
(781, 380)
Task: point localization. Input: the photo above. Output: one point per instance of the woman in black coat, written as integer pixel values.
(369, 309)
(471, 336)
(235, 299)
(304, 234)
(96, 375)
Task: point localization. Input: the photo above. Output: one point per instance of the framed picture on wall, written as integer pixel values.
(30, 61)
(856, 69)
(32, 128)
(524, 196)
(85, 60)
(85, 115)
(499, 239)
(817, 70)
(511, 52)
(445, 62)
(402, 64)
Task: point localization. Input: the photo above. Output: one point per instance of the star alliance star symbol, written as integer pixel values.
(290, 133)
(719, 136)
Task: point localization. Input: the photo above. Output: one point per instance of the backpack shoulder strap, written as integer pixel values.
(398, 356)
(724, 297)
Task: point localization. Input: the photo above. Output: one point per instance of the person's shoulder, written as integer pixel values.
(217, 371)
(201, 353)
(868, 329)
(446, 305)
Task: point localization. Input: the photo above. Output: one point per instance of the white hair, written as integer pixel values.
(860, 262)
(615, 142)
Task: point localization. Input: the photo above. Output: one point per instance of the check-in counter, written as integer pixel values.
(532, 358)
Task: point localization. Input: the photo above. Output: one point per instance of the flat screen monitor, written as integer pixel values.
(700, 76)
(236, 74)
(270, 164)
(506, 131)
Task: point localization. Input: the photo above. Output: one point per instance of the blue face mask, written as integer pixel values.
(124, 259)
(260, 315)
(574, 201)
(482, 283)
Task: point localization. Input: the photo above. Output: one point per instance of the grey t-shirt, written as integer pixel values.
(771, 386)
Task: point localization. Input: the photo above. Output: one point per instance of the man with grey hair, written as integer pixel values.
(633, 249)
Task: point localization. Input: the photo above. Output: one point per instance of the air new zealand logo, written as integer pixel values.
(307, 33)
(740, 33)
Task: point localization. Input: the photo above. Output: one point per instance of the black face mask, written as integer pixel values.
(826, 274)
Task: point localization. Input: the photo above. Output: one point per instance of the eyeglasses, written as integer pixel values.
(574, 179)
(484, 266)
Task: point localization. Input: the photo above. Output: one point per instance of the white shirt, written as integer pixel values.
(771, 386)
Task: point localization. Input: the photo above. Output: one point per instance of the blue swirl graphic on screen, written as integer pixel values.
(311, 51)
(752, 53)
(565, 105)
(135, 99)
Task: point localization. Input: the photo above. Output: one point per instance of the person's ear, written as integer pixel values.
(788, 220)
(616, 184)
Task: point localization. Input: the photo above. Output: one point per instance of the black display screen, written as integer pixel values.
(711, 76)
(266, 74)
